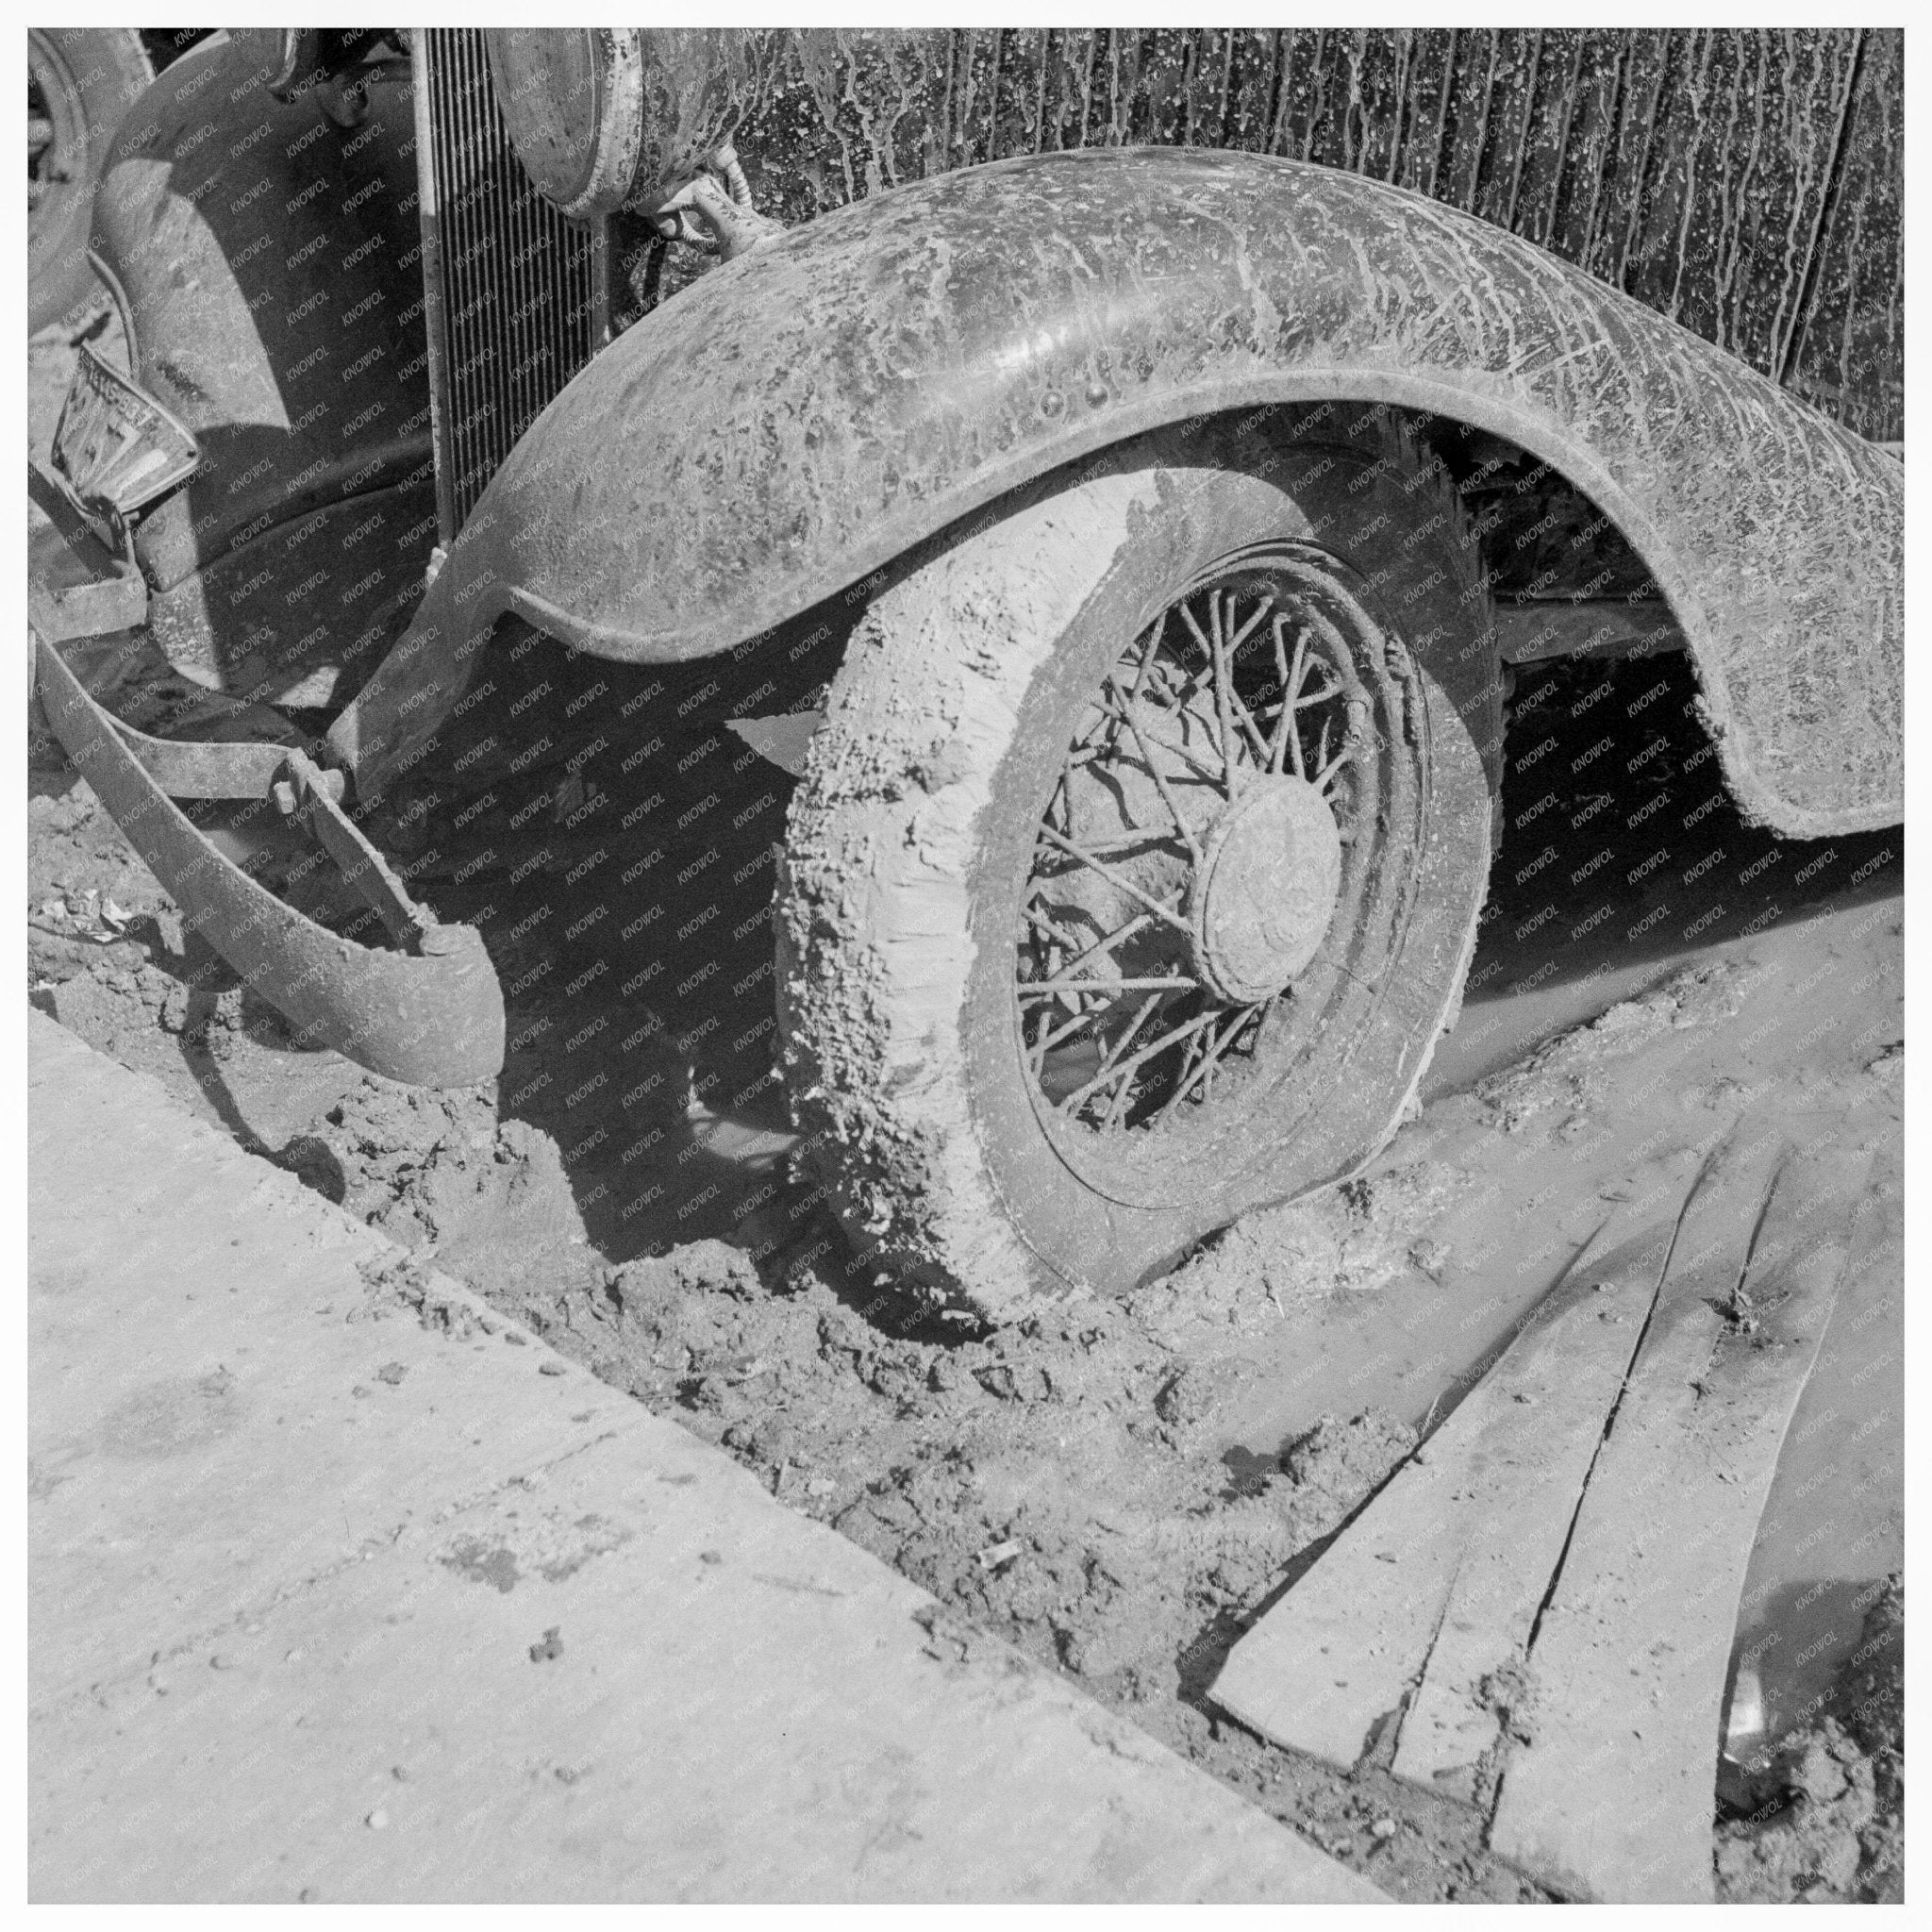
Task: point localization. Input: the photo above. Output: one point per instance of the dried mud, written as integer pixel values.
(1064, 1482)
(1820, 1818)
(1061, 1482)
(1115, 1488)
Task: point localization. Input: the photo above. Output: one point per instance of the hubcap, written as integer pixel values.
(1265, 891)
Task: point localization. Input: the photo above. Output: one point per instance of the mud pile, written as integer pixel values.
(1820, 1819)
(1072, 1482)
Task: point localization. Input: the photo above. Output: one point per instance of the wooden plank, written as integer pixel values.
(1505, 1575)
(1612, 1797)
(1334, 1659)
(1532, 1466)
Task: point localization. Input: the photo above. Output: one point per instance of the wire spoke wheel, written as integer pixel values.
(1191, 857)
(1135, 865)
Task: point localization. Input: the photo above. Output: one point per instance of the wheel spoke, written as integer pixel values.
(1112, 939)
(1037, 989)
(1146, 1053)
(1153, 771)
(1286, 736)
(1155, 634)
(1049, 1040)
(1224, 692)
(1248, 629)
(1117, 1098)
(1252, 730)
(1203, 1068)
(1117, 880)
(1181, 752)
(1110, 1062)
(1057, 934)
(1129, 842)
(1219, 732)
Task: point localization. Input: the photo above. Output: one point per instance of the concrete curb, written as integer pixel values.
(330, 1599)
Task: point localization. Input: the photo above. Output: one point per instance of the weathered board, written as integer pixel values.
(1611, 1795)
(1746, 182)
(1542, 1603)
(1333, 1662)
(1496, 1609)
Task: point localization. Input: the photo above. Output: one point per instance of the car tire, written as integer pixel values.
(1013, 786)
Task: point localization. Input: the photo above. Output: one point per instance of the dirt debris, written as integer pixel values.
(1820, 1819)
(1349, 1241)
(1059, 1483)
(927, 1448)
(1569, 1071)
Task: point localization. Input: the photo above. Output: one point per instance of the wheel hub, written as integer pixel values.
(1266, 889)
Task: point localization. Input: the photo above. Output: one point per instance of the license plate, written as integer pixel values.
(118, 449)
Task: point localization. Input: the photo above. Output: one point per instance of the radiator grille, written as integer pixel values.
(511, 287)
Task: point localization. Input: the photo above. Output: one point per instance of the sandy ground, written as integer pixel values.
(1121, 1487)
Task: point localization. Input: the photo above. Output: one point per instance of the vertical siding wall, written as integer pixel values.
(1746, 183)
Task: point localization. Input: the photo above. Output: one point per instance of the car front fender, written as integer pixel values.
(802, 416)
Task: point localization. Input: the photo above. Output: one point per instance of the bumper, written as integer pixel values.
(428, 1012)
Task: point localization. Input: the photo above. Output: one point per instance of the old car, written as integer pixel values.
(1140, 513)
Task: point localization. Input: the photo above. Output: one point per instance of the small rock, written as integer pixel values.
(550, 1368)
(1383, 1828)
(378, 1820)
(511, 1336)
(221, 1661)
(391, 1372)
(1430, 1256)
(550, 1649)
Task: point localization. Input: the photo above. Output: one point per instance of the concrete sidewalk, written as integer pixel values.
(329, 1603)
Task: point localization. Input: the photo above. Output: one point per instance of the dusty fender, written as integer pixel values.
(802, 416)
(267, 266)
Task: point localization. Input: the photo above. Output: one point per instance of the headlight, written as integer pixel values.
(572, 99)
(603, 118)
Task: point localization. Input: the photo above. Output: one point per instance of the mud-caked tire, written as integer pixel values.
(1010, 842)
